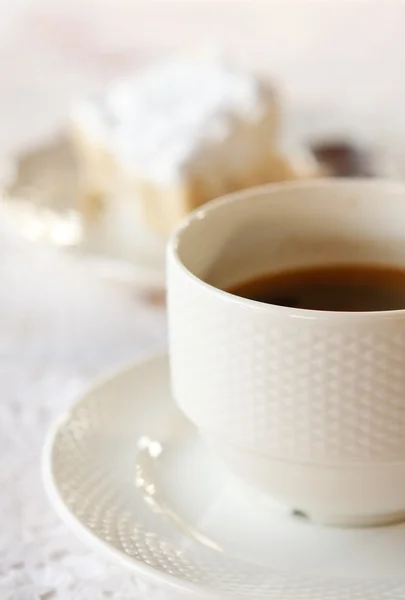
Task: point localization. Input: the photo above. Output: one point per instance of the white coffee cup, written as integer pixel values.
(308, 406)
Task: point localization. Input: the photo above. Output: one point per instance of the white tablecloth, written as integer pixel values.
(60, 326)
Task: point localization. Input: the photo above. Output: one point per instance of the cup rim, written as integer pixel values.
(270, 189)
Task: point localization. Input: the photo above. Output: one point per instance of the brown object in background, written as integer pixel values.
(343, 159)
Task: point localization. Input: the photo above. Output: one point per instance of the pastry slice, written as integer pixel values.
(176, 136)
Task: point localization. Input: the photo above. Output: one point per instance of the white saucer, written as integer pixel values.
(129, 476)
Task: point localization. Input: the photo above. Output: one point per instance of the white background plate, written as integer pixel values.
(41, 199)
(130, 477)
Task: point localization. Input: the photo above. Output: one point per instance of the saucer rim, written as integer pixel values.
(81, 531)
(148, 574)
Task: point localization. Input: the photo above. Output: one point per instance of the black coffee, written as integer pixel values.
(335, 288)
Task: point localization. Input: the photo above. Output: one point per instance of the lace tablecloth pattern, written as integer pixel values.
(60, 327)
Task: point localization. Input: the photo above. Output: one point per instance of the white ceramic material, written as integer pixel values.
(132, 479)
(308, 406)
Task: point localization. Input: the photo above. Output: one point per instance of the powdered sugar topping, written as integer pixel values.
(159, 121)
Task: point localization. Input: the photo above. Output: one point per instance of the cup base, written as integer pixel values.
(324, 519)
(351, 521)
(336, 496)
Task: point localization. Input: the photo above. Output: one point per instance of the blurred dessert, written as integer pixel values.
(178, 135)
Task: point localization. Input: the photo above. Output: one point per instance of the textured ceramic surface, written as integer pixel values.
(306, 387)
(131, 479)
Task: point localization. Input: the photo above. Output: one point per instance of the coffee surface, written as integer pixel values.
(350, 288)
